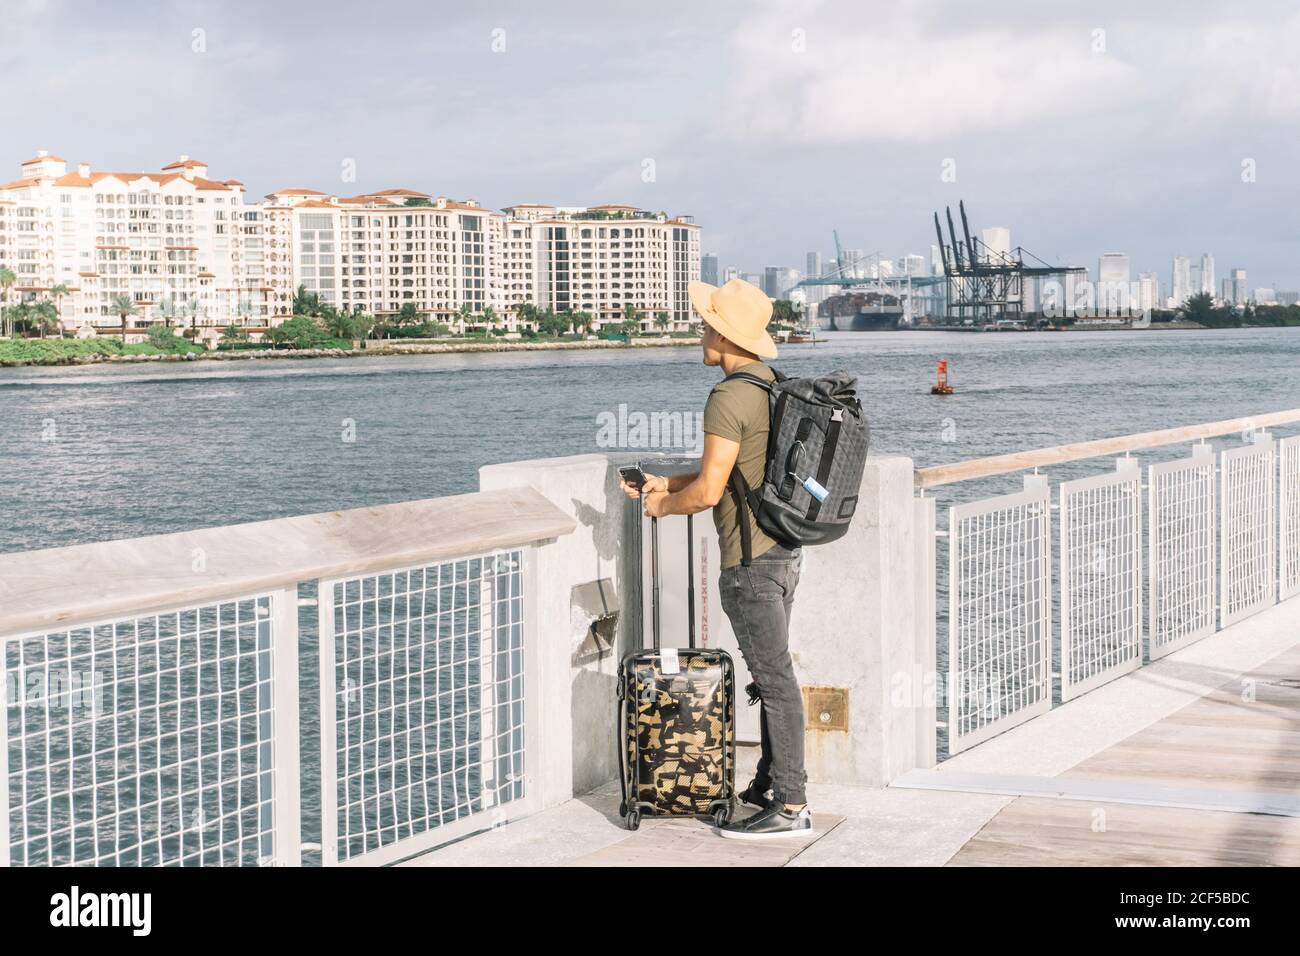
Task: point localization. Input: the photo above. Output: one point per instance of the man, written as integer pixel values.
(757, 599)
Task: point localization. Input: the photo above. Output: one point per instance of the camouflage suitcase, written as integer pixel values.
(676, 719)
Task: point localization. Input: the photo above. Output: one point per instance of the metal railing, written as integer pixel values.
(422, 703)
(154, 702)
(1034, 616)
(153, 740)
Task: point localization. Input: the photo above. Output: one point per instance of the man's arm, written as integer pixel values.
(678, 482)
(702, 491)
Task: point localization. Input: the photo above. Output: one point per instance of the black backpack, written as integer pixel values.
(816, 452)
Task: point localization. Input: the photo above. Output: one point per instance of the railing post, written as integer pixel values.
(286, 772)
(4, 759)
(327, 678)
(925, 682)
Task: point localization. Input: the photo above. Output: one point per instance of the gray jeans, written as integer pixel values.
(757, 600)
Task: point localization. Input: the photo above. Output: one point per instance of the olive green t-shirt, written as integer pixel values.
(738, 410)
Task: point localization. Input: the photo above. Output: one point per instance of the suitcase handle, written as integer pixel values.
(690, 581)
(654, 579)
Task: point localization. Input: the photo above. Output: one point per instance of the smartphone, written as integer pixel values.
(632, 475)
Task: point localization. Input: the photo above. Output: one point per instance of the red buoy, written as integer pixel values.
(941, 386)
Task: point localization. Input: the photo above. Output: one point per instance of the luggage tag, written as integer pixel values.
(668, 660)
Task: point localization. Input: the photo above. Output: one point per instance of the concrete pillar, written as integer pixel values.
(576, 679)
(856, 627)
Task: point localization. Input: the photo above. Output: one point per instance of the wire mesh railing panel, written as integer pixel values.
(1181, 559)
(427, 677)
(999, 624)
(1288, 454)
(144, 741)
(1247, 542)
(1101, 578)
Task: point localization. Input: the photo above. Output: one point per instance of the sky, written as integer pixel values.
(1155, 129)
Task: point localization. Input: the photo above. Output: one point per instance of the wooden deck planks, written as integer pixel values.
(1226, 741)
(1034, 831)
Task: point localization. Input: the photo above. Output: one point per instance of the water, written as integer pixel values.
(97, 453)
(103, 452)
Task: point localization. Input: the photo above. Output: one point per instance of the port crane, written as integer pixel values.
(987, 285)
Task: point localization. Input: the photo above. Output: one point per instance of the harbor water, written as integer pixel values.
(97, 453)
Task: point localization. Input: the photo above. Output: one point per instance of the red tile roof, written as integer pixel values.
(162, 179)
(398, 192)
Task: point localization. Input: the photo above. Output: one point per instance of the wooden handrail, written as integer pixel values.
(45, 590)
(1041, 457)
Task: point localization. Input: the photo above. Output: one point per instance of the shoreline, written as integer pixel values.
(389, 347)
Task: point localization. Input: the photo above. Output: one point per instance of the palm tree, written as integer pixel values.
(45, 316)
(7, 279)
(340, 324)
(526, 314)
(58, 292)
(19, 314)
(245, 309)
(194, 310)
(168, 309)
(123, 306)
(463, 316)
(490, 318)
(661, 320)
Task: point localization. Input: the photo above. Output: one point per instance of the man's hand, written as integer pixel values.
(653, 483)
(654, 504)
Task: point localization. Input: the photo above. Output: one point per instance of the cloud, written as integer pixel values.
(923, 73)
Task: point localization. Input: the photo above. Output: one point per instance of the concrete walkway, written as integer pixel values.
(1194, 759)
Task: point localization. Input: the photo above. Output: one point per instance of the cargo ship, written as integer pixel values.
(861, 312)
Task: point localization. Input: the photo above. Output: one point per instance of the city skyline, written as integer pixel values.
(1143, 129)
(1150, 285)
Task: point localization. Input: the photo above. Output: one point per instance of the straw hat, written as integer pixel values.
(738, 311)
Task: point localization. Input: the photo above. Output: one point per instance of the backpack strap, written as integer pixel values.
(743, 507)
(746, 500)
(757, 380)
(828, 455)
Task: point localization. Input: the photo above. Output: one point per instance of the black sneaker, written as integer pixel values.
(772, 823)
(755, 797)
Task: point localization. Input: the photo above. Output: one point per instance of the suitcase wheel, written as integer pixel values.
(632, 818)
(722, 816)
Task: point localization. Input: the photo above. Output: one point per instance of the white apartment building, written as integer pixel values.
(189, 249)
(169, 240)
(379, 252)
(600, 260)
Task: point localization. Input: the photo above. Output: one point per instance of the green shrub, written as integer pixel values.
(165, 340)
(303, 332)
